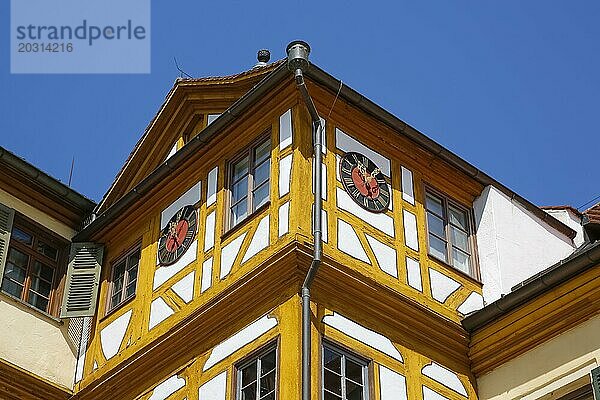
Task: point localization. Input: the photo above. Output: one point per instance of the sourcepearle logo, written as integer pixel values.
(75, 36)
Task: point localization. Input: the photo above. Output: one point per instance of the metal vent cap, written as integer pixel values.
(298, 52)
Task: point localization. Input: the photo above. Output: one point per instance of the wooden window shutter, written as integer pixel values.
(596, 382)
(83, 276)
(7, 216)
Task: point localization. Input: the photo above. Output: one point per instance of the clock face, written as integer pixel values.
(364, 182)
(177, 236)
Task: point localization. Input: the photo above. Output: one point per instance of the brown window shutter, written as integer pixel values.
(596, 382)
(6, 221)
(83, 276)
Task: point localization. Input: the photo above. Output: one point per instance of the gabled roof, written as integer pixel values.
(245, 80)
(277, 73)
(593, 214)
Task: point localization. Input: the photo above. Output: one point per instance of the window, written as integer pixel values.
(124, 279)
(345, 376)
(249, 182)
(257, 379)
(32, 271)
(449, 232)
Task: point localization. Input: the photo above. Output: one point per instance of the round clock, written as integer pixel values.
(177, 236)
(364, 182)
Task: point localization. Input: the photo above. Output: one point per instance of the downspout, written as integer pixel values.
(297, 63)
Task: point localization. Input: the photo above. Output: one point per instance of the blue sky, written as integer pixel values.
(513, 86)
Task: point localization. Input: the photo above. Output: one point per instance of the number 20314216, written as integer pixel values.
(54, 47)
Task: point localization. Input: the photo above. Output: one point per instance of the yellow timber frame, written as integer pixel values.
(421, 328)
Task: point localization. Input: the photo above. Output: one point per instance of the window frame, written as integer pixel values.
(251, 207)
(124, 257)
(59, 265)
(448, 201)
(247, 361)
(344, 352)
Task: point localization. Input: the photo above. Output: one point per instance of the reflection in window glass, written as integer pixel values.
(249, 185)
(344, 375)
(257, 379)
(124, 279)
(31, 263)
(448, 231)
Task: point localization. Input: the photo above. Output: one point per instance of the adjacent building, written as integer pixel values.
(541, 341)
(38, 218)
(184, 281)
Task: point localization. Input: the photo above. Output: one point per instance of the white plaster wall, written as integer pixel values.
(564, 361)
(513, 244)
(28, 339)
(35, 343)
(356, 331)
(572, 221)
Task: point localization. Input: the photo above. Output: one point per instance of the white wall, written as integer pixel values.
(35, 343)
(512, 243)
(28, 338)
(572, 221)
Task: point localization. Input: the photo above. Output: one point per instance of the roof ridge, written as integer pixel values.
(257, 70)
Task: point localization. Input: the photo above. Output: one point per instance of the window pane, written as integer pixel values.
(354, 371)
(458, 217)
(119, 272)
(130, 289)
(353, 391)
(37, 301)
(43, 271)
(437, 248)
(435, 225)
(267, 383)
(12, 288)
(132, 275)
(115, 300)
(240, 169)
(16, 273)
(332, 360)
(47, 250)
(261, 195)
(249, 374)
(239, 212)
(460, 260)
(21, 236)
(249, 393)
(332, 382)
(133, 261)
(261, 173)
(330, 396)
(262, 152)
(460, 239)
(40, 286)
(239, 190)
(18, 259)
(118, 287)
(434, 204)
(270, 396)
(267, 363)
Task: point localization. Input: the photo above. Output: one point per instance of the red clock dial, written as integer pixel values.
(364, 182)
(177, 235)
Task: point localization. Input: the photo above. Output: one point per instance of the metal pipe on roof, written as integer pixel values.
(298, 52)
